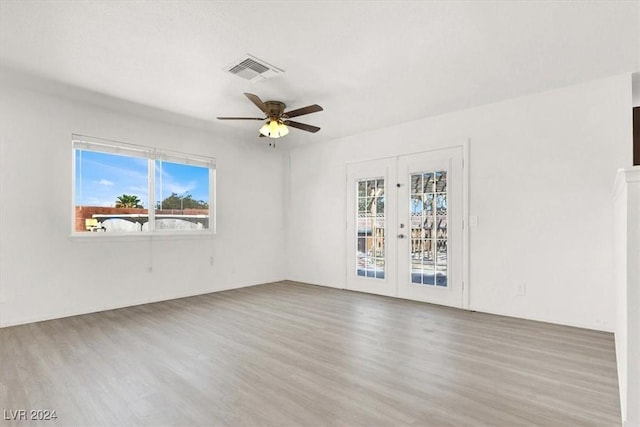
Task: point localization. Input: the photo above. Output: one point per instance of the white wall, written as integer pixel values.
(45, 274)
(633, 299)
(635, 84)
(627, 283)
(620, 279)
(627, 197)
(541, 172)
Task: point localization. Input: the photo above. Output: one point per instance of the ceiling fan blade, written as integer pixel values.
(240, 118)
(257, 101)
(303, 126)
(304, 110)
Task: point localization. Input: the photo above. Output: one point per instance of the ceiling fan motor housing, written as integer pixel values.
(275, 109)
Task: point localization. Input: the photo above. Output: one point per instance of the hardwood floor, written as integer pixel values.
(287, 354)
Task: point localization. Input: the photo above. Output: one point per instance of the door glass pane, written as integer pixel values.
(429, 214)
(428, 180)
(441, 263)
(362, 189)
(441, 182)
(370, 254)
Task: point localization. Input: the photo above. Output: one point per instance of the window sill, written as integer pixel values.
(140, 236)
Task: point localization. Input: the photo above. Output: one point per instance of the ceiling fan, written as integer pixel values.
(276, 119)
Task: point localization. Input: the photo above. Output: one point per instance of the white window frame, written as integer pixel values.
(88, 143)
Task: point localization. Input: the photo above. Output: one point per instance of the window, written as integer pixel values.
(125, 188)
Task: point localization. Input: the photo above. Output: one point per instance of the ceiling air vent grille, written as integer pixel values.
(253, 69)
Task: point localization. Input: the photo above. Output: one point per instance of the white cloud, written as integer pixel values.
(138, 189)
(105, 182)
(95, 201)
(178, 188)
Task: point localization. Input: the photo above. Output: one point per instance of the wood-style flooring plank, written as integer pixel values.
(290, 354)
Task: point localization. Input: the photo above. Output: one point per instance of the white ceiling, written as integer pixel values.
(370, 64)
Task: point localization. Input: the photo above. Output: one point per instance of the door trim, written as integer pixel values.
(466, 297)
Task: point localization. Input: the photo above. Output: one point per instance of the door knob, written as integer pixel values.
(400, 236)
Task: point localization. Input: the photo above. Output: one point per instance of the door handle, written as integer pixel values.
(400, 236)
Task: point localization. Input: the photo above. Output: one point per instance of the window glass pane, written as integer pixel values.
(416, 184)
(441, 203)
(441, 181)
(362, 205)
(428, 182)
(370, 208)
(182, 196)
(441, 263)
(379, 206)
(416, 273)
(416, 256)
(428, 277)
(371, 188)
(380, 187)
(428, 226)
(428, 203)
(416, 205)
(428, 207)
(111, 192)
(441, 231)
(362, 189)
(370, 256)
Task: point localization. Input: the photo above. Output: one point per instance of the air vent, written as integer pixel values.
(253, 69)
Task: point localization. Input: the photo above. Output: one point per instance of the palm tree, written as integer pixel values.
(128, 201)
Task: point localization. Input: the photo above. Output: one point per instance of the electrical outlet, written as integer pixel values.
(521, 289)
(473, 221)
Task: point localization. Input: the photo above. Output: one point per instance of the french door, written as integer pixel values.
(404, 226)
(371, 219)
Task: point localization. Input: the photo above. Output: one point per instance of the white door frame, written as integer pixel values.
(465, 304)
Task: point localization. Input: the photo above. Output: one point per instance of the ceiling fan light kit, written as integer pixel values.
(276, 119)
(274, 129)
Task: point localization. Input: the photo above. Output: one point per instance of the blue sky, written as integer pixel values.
(102, 177)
